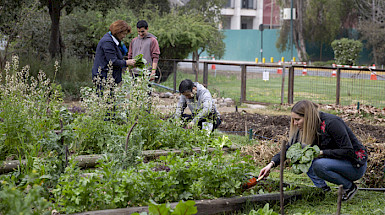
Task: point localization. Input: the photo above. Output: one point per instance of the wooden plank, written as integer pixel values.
(338, 86)
(243, 83)
(283, 85)
(207, 206)
(175, 65)
(205, 74)
(290, 86)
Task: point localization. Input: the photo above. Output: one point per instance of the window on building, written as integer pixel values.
(229, 4)
(226, 22)
(248, 4)
(246, 22)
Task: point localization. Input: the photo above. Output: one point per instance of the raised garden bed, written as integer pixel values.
(210, 206)
(90, 161)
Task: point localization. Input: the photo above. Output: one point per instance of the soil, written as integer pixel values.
(276, 127)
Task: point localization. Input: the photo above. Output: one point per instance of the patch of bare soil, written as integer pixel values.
(263, 126)
(273, 127)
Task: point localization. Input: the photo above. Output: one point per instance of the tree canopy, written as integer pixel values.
(318, 21)
(372, 26)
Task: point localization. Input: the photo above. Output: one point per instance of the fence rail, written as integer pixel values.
(263, 83)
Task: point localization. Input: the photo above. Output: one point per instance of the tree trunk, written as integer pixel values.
(374, 51)
(300, 40)
(55, 43)
(3, 55)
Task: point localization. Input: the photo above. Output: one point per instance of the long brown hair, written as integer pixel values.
(119, 26)
(309, 111)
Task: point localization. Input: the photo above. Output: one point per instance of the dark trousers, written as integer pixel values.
(213, 118)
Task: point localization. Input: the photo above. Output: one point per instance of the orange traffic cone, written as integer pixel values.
(373, 76)
(213, 65)
(304, 70)
(334, 73)
(279, 71)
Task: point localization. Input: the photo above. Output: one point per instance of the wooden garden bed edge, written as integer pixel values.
(207, 206)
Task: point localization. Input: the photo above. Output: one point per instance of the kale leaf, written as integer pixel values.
(301, 158)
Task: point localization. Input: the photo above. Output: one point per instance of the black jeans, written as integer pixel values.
(213, 118)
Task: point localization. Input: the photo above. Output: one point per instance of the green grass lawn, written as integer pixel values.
(316, 88)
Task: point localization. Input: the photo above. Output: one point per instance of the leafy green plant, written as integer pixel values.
(140, 62)
(171, 178)
(182, 208)
(263, 211)
(301, 158)
(14, 201)
(220, 142)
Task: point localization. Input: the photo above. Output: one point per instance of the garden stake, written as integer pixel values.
(340, 188)
(129, 133)
(283, 156)
(250, 134)
(246, 125)
(62, 142)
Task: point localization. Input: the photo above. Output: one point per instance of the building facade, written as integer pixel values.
(250, 14)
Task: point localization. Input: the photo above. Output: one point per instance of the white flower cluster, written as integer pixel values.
(129, 99)
(35, 96)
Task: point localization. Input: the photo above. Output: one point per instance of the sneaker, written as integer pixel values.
(326, 189)
(349, 193)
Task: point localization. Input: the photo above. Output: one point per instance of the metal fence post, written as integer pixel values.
(290, 89)
(205, 74)
(338, 86)
(243, 83)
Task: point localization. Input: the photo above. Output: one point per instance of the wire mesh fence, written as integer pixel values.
(275, 84)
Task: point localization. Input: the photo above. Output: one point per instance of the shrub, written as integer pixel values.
(346, 51)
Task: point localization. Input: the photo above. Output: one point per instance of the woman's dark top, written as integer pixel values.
(107, 51)
(336, 140)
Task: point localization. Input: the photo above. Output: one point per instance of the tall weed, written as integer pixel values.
(29, 110)
(73, 74)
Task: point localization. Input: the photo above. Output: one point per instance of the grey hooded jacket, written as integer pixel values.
(201, 105)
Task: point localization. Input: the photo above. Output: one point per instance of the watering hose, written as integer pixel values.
(164, 87)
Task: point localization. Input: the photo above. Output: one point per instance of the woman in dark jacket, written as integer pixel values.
(111, 49)
(342, 159)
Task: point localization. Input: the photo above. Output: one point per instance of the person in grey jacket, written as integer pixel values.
(147, 44)
(200, 103)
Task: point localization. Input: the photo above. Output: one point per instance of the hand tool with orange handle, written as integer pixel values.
(252, 182)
